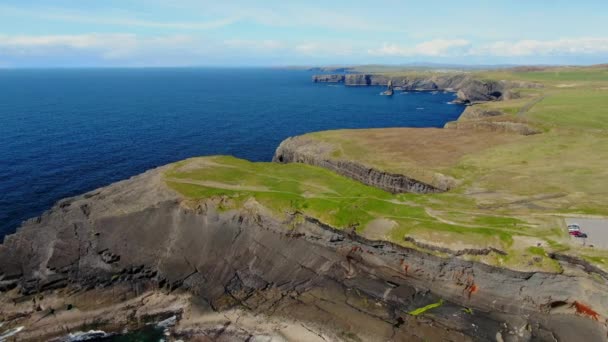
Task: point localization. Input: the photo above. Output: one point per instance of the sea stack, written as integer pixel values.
(389, 90)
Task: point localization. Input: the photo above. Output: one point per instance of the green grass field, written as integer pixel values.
(511, 191)
(285, 189)
(568, 162)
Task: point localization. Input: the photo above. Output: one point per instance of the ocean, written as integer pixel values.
(67, 131)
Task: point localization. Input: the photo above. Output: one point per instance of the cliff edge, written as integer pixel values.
(468, 89)
(144, 240)
(309, 151)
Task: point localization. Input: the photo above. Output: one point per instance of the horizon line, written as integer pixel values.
(307, 66)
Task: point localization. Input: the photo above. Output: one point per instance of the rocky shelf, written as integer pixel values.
(139, 238)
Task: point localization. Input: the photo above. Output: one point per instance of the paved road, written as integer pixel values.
(596, 229)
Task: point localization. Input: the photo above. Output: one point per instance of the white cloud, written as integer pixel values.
(255, 45)
(521, 48)
(434, 48)
(134, 49)
(304, 49)
(441, 47)
(579, 46)
(325, 48)
(107, 46)
(44, 45)
(73, 41)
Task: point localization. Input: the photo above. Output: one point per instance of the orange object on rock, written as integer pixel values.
(582, 309)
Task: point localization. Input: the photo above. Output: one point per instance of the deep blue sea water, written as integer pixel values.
(65, 132)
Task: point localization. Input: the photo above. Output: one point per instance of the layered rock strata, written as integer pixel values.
(301, 150)
(140, 234)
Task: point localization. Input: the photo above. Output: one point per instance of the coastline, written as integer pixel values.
(383, 281)
(176, 224)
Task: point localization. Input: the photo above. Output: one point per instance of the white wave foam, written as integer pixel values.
(88, 335)
(10, 333)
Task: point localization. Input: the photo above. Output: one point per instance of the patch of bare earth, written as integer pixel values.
(379, 229)
(220, 185)
(195, 164)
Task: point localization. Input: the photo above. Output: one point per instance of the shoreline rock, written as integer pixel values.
(468, 89)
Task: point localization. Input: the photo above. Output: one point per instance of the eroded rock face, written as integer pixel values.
(476, 118)
(469, 90)
(141, 234)
(476, 113)
(299, 150)
(332, 78)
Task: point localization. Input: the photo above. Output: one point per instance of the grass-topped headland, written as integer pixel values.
(298, 189)
(541, 152)
(507, 190)
(567, 161)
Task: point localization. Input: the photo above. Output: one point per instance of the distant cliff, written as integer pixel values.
(469, 89)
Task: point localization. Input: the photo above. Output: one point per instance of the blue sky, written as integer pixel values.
(81, 33)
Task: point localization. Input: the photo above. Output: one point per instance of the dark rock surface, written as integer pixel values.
(140, 232)
(329, 78)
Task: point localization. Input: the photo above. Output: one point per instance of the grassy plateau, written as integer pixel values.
(510, 191)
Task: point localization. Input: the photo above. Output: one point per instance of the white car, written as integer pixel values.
(574, 227)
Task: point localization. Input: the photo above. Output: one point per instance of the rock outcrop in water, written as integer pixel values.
(140, 234)
(389, 89)
(468, 89)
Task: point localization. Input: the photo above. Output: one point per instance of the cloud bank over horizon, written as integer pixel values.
(199, 33)
(461, 47)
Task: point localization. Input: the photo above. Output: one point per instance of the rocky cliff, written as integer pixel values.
(301, 150)
(468, 89)
(141, 235)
